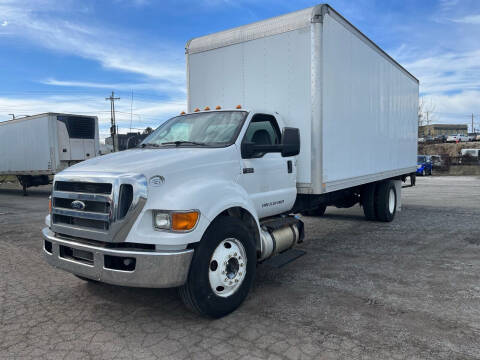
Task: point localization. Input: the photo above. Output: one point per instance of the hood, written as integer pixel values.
(144, 161)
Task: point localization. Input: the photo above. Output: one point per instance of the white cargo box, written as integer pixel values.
(47, 143)
(355, 106)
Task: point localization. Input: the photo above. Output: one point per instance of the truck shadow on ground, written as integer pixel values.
(33, 194)
(341, 217)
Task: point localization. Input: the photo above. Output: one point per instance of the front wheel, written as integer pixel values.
(222, 269)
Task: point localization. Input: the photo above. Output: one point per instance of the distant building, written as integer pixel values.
(127, 141)
(442, 129)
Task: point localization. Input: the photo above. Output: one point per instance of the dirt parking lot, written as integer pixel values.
(409, 289)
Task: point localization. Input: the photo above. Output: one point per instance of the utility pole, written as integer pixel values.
(113, 127)
(473, 130)
(131, 112)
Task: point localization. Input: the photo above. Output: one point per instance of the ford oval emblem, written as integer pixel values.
(157, 180)
(78, 205)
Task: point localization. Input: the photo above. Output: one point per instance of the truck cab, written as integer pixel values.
(197, 176)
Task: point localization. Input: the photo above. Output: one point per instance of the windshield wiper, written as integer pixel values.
(149, 144)
(178, 143)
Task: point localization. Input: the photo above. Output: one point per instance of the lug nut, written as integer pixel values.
(235, 254)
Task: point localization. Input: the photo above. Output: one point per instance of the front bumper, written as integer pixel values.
(150, 268)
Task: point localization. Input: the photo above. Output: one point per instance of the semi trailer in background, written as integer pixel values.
(32, 148)
(285, 116)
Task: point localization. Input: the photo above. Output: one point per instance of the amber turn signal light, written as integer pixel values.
(196, 110)
(184, 221)
(206, 108)
(218, 107)
(239, 107)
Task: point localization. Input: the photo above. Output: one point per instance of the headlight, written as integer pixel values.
(175, 220)
(419, 166)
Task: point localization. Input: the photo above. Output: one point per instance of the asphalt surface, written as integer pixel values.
(404, 290)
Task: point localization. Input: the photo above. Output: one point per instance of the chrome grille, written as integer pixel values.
(96, 198)
(91, 209)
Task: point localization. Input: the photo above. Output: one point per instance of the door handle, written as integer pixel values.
(289, 166)
(248, 170)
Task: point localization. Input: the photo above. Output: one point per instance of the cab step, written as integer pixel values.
(284, 258)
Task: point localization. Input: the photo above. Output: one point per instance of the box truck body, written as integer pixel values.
(47, 143)
(355, 106)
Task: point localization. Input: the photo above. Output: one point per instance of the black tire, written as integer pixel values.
(423, 172)
(86, 279)
(367, 198)
(319, 211)
(196, 293)
(382, 201)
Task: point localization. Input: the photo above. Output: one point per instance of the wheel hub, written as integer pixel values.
(227, 267)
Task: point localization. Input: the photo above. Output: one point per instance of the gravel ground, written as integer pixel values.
(404, 290)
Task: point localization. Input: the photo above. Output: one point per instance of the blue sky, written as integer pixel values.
(67, 56)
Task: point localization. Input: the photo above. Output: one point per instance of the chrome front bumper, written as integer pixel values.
(151, 269)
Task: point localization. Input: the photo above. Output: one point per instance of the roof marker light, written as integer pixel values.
(238, 107)
(196, 110)
(218, 107)
(183, 113)
(207, 108)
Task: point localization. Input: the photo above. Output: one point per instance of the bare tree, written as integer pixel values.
(426, 111)
(148, 131)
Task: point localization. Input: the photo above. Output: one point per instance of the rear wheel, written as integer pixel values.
(367, 199)
(385, 201)
(319, 211)
(222, 269)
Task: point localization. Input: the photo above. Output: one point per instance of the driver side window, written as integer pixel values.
(263, 130)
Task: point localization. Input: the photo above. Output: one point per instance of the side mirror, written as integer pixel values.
(248, 150)
(290, 142)
(290, 145)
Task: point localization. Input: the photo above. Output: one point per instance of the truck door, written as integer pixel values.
(268, 178)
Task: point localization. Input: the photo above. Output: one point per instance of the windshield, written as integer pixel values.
(211, 129)
(421, 159)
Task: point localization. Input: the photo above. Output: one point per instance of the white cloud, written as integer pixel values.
(447, 72)
(4, 23)
(112, 49)
(154, 85)
(469, 19)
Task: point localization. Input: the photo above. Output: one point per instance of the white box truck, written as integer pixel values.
(285, 116)
(34, 147)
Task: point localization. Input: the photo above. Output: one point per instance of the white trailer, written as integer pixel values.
(34, 147)
(355, 106)
(285, 116)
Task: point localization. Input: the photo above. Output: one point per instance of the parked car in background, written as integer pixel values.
(421, 140)
(441, 138)
(475, 153)
(438, 161)
(477, 138)
(424, 165)
(457, 138)
(472, 136)
(429, 139)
